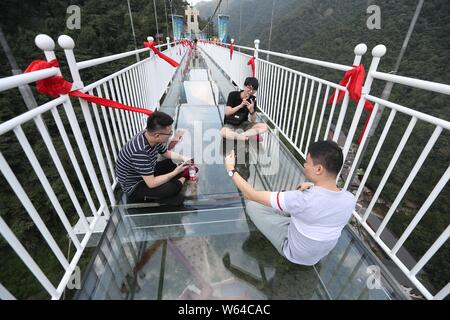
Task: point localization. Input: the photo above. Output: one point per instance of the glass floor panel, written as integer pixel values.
(208, 249)
(219, 254)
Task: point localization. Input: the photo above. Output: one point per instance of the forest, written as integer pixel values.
(322, 29)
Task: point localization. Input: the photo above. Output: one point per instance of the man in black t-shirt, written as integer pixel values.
(240, 105)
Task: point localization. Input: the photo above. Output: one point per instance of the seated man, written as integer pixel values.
(239, 105)
(138, 173)
(304, 225)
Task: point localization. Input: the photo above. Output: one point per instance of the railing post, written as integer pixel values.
(256, 57)
(152, 73)
(150, 39)
(360, 50)
(47, 44)
(377, 53)
(168, 43)
(68, 44)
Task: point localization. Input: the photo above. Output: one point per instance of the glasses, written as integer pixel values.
(165, 134)
(251, 88)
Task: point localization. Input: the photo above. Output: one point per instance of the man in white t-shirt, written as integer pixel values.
(304, 225)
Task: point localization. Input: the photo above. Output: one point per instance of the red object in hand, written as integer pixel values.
(187, 174)
(169, 60)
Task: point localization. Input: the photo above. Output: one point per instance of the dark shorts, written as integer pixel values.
(244, 126)
(169, 191)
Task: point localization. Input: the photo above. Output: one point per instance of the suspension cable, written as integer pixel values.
(167, 23)
(156, 20)
(271, 24)
(212, 17)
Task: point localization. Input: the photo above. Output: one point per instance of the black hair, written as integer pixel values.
(158, 120)
(328, 154)
(252, 82)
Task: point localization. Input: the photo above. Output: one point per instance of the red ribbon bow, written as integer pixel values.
(56, 85)
(251, 63)
(353, 79)
(231, 50)
(151, 45)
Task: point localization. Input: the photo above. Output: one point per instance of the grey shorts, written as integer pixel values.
(244, 126)
(271, 223)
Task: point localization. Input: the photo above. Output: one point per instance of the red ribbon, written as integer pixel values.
(231, 50)
(151, 45)
(57, 85)
(251, 63)
(354, 79)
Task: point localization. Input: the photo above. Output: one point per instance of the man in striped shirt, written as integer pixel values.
(141, 177)
(304, 225)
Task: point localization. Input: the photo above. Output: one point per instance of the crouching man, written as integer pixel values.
(305, 224)
(139, 174)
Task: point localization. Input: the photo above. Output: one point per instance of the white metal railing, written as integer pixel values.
(296, 104)
(141, 85)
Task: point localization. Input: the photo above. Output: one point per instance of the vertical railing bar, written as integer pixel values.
(73, 159)
(115, 146)
(360, 148)
(5, 294)
(271, 89)
(119, 118)
(135, 98)
(330, 117)
(291, 105)
(266, 91)
(62, 173)
(124, 119)
(305, 123)
(108, 127)
(297, 133)
(285, 103)
(443, 293)
(308, 140)
(276, 115)
(274, 89)
(97, 150)
(138, 83)
(376, 152)
(283, 99)
(391, 165)
(34, 215)
(322, 113)
(102, 138)
(24, 143)
(341, 116)
(262, 91)
(23, 254)
(410, 178)
(294, 115)
(125, 101)
(426, 205)
(430, 252)
(128, 92)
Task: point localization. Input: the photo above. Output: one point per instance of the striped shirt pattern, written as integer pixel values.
(136, 159)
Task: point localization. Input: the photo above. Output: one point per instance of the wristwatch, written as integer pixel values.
(231, 172)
